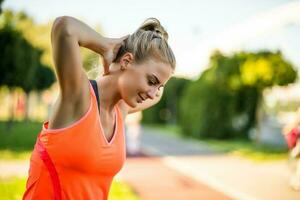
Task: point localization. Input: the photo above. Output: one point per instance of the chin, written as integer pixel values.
(131, 103)
(134, 104)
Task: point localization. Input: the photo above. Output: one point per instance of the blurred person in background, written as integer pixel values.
(133, 132)
(291, 133)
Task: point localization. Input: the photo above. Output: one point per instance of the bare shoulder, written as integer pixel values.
(67, 111)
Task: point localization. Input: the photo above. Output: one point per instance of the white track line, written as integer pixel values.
(203, 177)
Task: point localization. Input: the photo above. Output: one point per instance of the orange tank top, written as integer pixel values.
(76, 162)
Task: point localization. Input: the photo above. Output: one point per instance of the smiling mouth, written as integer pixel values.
(141, 97)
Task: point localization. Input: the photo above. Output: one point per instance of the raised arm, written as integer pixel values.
(67, 35)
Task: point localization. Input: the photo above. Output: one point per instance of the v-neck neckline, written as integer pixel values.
(115, 127)
(108, 143)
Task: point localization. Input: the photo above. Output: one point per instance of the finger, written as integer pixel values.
(105, 66)
(124, 37)
(106, 69)
(117, 48)
(105, 73)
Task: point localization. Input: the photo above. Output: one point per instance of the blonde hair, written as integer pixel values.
(150, 40)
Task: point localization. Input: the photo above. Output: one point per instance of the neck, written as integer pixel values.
(108, 91)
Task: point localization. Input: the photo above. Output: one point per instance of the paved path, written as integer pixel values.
(14, 168)
(160, 144)
(234, 176)
(152, 179)
(237, 177)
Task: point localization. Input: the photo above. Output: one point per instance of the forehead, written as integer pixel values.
(161, 70)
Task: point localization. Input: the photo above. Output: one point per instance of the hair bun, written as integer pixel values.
(153, 24)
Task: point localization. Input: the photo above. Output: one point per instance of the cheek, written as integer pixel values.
(127, 87)
(128, 91)
(132, 83)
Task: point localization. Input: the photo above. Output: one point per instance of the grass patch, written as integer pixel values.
(243, 148)
(18, 141)
(21, 136)
(120, 190)
(13, 188)
(14, 155)
(250, 150)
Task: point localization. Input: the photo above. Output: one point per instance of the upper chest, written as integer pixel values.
(111, 122)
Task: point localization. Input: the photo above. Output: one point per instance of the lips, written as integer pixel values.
(141, 97)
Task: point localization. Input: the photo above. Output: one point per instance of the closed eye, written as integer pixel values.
(151, 82)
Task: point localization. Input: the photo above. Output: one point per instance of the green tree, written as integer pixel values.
(225, 101)
(1, 1)
(21, 64)
(39, 36)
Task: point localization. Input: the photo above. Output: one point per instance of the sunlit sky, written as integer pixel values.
(195, 27)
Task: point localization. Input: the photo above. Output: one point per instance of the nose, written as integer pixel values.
(152, 93)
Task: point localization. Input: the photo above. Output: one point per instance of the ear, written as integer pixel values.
(126, 60)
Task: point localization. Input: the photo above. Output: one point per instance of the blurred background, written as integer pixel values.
(218, 131)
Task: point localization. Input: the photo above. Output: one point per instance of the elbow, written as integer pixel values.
(61, 26)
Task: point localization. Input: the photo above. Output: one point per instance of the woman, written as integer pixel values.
(291, 133)
(82, 145)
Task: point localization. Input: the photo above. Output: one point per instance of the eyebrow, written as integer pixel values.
(157, 80)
